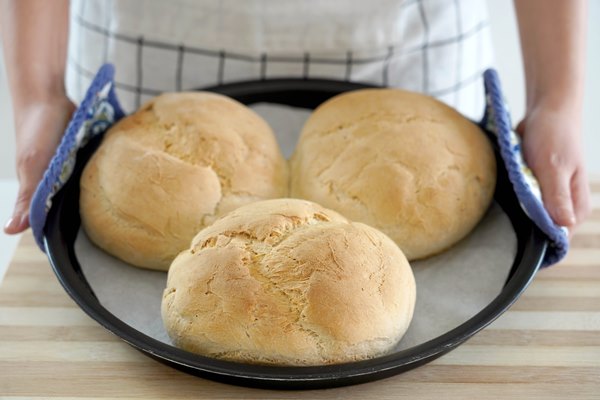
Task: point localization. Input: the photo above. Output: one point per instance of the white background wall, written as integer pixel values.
(508, 58)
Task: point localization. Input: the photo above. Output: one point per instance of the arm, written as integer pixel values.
(34, 36)
(553, 46)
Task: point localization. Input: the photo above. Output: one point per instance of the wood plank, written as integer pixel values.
(585, 241)
(470, 374)
(38, 268)
(27, 240)
(429, 373)
(564, 288)
(44, 316)
(32, 256)
(577, 257)
(71, 333)
(181, 388)
(535, 337)
(589, 227)
(569, 272)
(529, 303)
(34, 299)
(63, 351)
(15, 284)
(549, 320)
(514, 356)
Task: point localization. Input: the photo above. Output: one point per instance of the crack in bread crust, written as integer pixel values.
(273, 285)
(174, 166)
(401, 162)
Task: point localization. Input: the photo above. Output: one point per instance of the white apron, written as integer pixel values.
(438, 47)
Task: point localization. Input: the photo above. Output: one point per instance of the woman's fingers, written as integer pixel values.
(19, 221)
(39, 129)
(557, 196)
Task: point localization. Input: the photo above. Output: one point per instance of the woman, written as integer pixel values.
(436, 47)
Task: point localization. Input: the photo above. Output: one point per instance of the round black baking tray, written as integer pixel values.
(63, 224)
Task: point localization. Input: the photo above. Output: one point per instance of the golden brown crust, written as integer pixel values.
(171, 168)
(401, 162)
(288, 282)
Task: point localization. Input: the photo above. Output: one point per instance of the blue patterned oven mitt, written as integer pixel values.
(100, 109)
(497, 121)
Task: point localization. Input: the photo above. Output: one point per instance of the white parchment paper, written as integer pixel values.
(451, 287)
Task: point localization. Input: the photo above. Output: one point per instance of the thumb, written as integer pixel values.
(20, 217)
(557, 197)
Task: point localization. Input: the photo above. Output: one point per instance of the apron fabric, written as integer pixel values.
(437, 47)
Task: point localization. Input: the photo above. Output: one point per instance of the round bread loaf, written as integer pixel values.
(171, 168)
(289, 282)
(401, 162)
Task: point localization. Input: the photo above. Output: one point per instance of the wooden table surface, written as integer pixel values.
(546, 346)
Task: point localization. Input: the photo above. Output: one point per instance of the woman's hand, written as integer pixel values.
(40, 126)
(34, 39)
(552, 148)
(553, 47)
